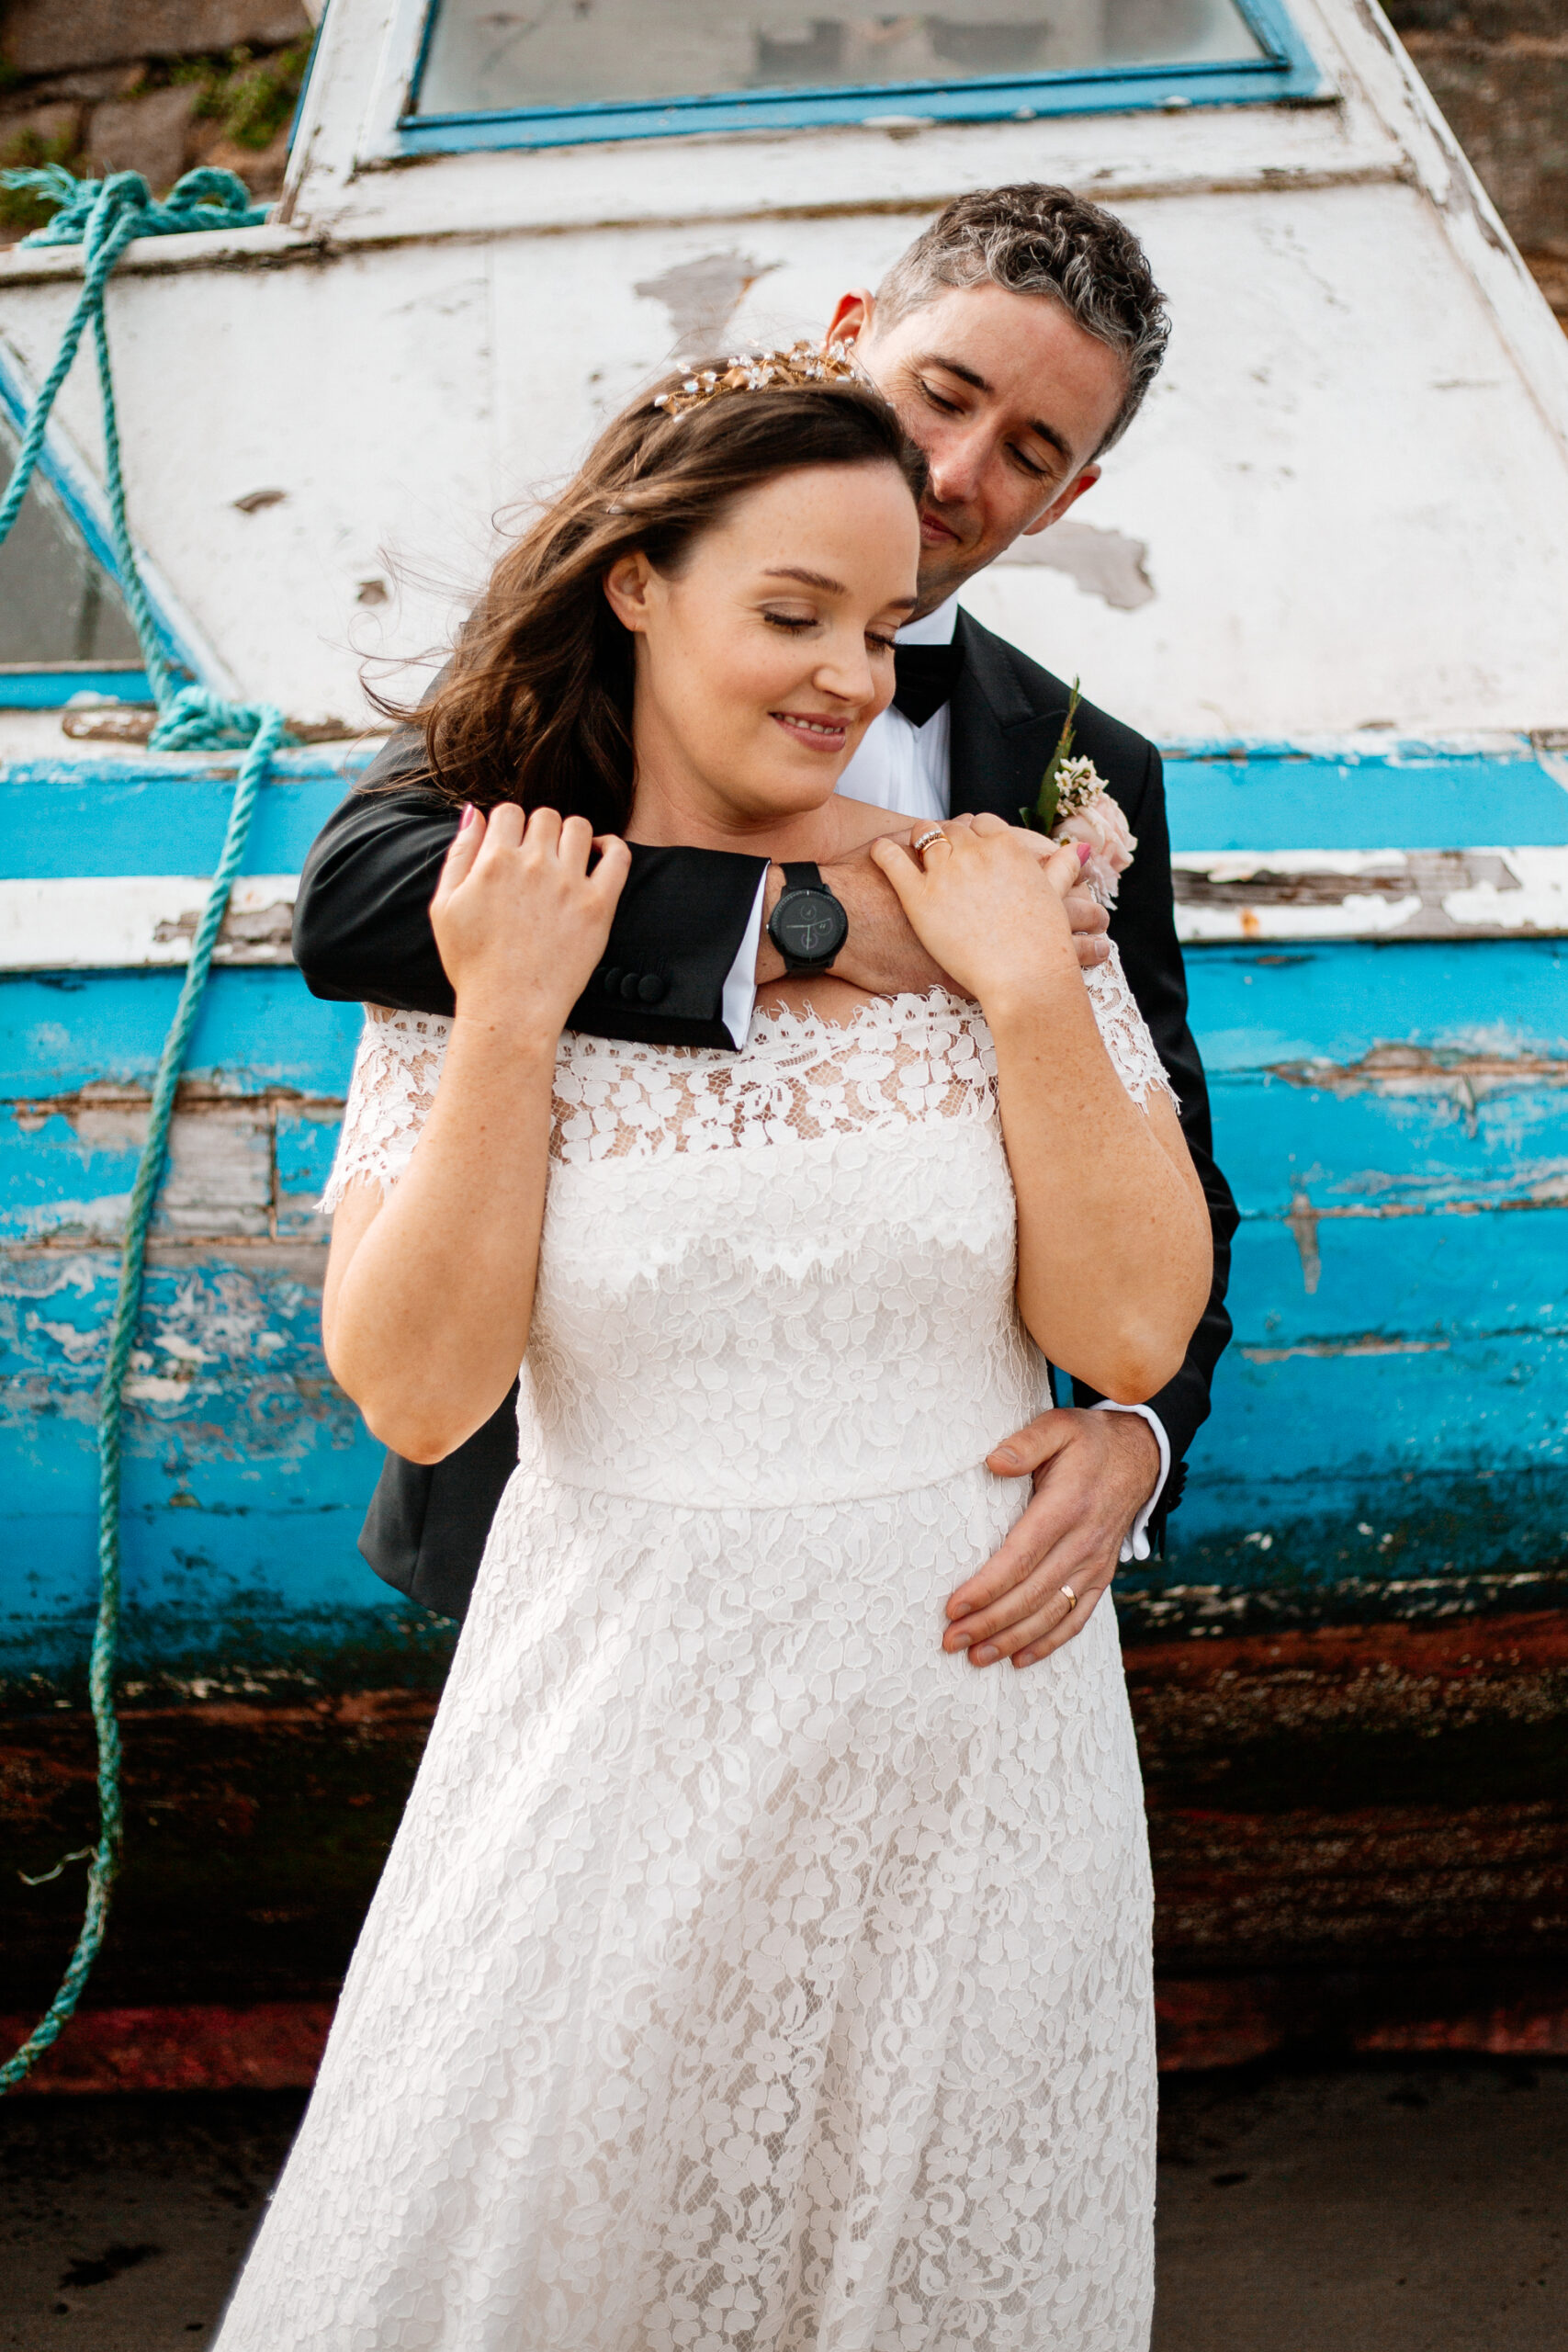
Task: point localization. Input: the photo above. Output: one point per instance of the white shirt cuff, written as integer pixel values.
(1135, 1543)
(739, 997)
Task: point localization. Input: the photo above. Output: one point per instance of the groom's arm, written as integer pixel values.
(362, 921)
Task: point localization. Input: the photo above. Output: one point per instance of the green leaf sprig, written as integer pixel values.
(1043, 816)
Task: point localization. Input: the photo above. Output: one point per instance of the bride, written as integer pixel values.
(753, 1971)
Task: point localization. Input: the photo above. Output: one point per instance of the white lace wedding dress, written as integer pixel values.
(747, 1974)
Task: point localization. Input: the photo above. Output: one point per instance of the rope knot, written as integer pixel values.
(192, 719)
(89, 209)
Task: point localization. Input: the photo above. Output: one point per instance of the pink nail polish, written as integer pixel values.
(985, 1655)
(1084, 853)
(466, 818)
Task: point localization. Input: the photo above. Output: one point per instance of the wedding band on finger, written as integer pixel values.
(922, 841)
(1068, 1595)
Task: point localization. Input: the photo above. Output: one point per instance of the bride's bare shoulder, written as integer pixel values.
(861, 821)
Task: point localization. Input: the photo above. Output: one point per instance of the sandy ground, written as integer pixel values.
(1415, 2209)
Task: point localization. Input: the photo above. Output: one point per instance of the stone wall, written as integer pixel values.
(154, 87)
(1499, 71)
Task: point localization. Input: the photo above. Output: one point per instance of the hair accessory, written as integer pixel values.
(802, 365)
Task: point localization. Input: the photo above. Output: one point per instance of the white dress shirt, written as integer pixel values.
(909, 768)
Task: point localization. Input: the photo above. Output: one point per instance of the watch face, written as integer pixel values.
(809, 926)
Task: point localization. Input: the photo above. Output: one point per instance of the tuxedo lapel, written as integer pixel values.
(1001, 737)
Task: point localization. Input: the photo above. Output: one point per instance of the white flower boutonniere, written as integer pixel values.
(1074, 805)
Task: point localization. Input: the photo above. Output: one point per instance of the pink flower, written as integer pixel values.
(1102, 825)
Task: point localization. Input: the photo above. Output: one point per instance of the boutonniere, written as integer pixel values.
(1074, 805)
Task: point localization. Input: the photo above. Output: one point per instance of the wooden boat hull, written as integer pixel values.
(1350, 1670)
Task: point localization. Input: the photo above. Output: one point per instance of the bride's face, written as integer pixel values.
(762, 661)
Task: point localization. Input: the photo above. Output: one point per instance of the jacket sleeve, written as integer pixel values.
(1143, 927)
(361, 919)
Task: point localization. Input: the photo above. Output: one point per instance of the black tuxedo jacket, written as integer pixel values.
(362, 933)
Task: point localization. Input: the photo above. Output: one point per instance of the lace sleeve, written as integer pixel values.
(1125, 1031)
(389, 1095)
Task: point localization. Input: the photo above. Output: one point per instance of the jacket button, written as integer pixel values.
(611, 979)
(651, 987)
(630, 983)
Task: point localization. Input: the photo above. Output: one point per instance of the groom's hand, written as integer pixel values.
(882, 953)
(1093, 1473)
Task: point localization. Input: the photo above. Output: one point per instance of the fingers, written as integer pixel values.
(574, 843)
(1063, 871)
(1007, 1625)
(1090, 952)
(1085, 912)
(608, 879)
(1030, 1446)
(902, 869)
(542, 835)
(503, 827)
(542, 832)
(1025, 1552)
(466, 843)
(1042, 1645)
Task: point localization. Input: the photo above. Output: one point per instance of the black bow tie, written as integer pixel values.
(927, 675)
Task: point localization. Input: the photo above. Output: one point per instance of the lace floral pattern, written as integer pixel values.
(904, 1057)
(748, 1976)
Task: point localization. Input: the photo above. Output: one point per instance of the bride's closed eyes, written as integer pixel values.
(795, 622)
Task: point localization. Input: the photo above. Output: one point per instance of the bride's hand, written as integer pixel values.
(987, 905)
(520, 922)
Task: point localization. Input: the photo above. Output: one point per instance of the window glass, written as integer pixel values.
(56, 604)
(484, 58)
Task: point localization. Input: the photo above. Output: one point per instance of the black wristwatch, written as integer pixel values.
(809, 927)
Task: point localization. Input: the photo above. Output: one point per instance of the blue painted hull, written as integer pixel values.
(1388, 1426)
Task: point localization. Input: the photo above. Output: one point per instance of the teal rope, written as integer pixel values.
(104, 218)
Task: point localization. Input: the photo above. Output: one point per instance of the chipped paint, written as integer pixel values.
(118, 922)
(1371, 894)
(702, 297)
(1106, 564)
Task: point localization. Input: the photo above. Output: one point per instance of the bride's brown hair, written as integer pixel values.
(536, 704)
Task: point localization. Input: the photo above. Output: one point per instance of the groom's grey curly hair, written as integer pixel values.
(1031, 239)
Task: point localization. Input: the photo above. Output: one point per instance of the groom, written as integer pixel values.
(1016, 338)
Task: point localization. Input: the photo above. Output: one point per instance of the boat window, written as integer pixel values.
(63, 626)
(543, 72)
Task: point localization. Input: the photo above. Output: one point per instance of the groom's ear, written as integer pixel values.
(1061, 503)
(853, 317)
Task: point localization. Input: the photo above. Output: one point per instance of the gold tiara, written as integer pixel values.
(804, 362)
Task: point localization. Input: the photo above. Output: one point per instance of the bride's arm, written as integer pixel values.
(430, 1290)
(1113, 1239)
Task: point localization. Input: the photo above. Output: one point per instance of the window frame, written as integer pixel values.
(1286, 71)
(49, 685)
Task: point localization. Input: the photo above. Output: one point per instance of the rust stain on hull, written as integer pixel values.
(1360, 1834)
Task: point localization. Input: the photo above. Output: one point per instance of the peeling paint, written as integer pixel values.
(702, 297)
(105, 923)
(1397, 1068)
(1106, 564)
(1483, 893)
(1303, 1221)
(1369, 1344)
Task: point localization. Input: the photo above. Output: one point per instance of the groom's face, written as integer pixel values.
(1008, 398)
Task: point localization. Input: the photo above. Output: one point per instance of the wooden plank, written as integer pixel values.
(1289, 894)
(91, 922)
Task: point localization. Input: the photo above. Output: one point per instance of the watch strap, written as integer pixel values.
(804, 874)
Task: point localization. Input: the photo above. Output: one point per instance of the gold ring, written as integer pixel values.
(922, 841)
(1069, 1595)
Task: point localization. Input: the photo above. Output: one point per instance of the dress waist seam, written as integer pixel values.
(549, 1475)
